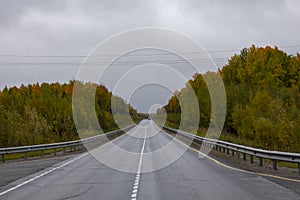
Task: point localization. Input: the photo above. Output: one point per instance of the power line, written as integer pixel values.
(148, 54)
(116, 63)
(83, 56)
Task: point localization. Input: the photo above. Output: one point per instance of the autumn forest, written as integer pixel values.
(263, 105)
(36, 114)
(263, 99)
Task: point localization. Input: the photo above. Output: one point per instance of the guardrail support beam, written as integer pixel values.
(244, 156)
(54, 152)
(299, 168)
(227, 151)
(3, 157)
(260, 161)
(25, 155)
(232, 152)
(274, 164)
(42, 153)
(251, 159)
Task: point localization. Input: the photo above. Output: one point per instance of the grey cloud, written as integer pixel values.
(74, 27)
(11, 10)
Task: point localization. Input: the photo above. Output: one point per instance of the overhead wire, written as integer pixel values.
(118, 62)
(147, 54)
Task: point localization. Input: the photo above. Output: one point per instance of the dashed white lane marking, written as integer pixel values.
(135, 188)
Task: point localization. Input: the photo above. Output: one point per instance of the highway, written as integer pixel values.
(138, 175)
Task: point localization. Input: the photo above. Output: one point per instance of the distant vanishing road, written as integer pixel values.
(189, 177)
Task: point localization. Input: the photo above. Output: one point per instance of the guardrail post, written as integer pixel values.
(260, 161)
(274, 164)
(227, 151)
(299, 167)
(42, 153)
(244, 156)
(64, 150)
(25, 155)
(71, 149)
(223, 149)
(54, 152)
(238, 154)
(3, 157)
(232, 152)
(251, 159)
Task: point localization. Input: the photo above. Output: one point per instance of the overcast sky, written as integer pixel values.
(74, 27)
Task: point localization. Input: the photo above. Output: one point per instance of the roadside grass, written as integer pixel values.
(288, 164)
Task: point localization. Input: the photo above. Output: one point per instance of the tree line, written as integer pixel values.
(36, 114)
(263, 99)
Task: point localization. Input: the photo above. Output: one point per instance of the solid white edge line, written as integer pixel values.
(232, 168)
(41, 175)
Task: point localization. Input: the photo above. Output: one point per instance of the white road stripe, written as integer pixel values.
(138, 173)
(41, 175)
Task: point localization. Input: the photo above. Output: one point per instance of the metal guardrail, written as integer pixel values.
(237, 150)
(72, 145)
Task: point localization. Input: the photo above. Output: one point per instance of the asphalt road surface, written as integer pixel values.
(143, 164)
